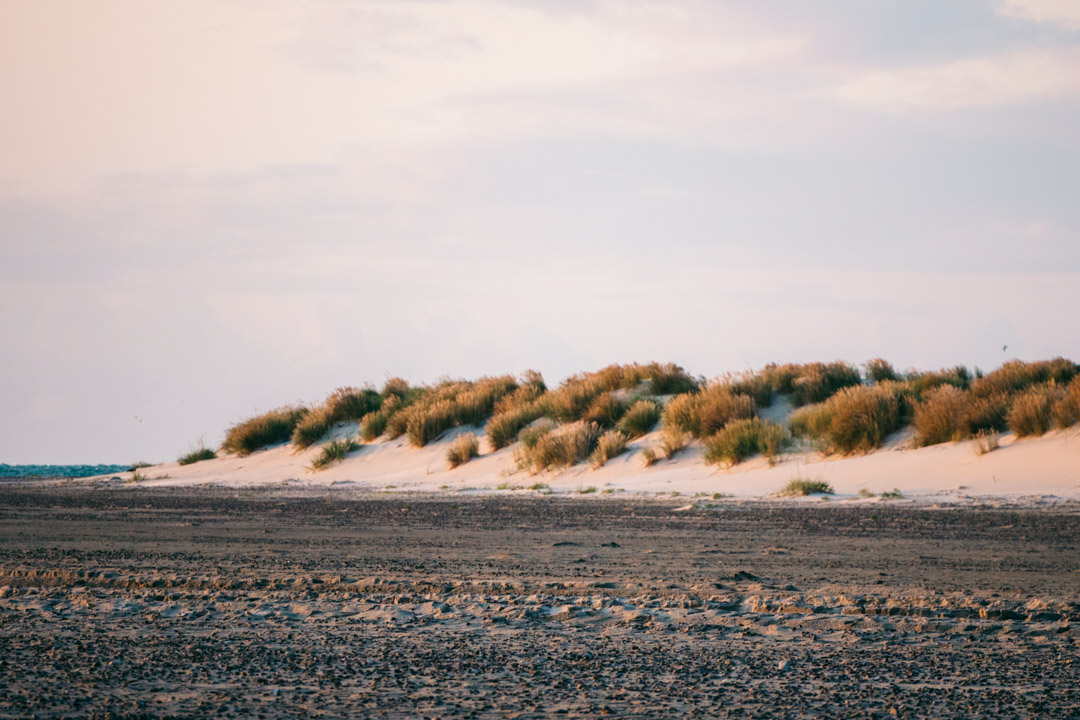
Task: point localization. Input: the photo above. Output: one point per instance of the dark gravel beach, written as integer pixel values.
(211, 603)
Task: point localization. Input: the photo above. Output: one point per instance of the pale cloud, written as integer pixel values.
(1065, 12)
(969, 83)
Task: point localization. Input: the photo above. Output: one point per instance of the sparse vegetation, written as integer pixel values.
(743, 438)
(649, 457)
(610, 444)
(463, 449)
(333, 452)
(586, 490)
(986, 441)
(270, 428)
(812, 382)
(141, 464)
(893, 494)
(804, 486)
(196, 455)
(343, 405)
(673, 442)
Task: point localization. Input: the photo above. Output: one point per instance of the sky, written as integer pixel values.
(209, 209)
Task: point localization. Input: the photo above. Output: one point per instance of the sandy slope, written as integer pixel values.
(1032, 467)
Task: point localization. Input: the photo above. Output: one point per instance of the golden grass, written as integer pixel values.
(1032, 411)
(640, 418)
(941, 416)
(812, 382)
(270, 428)
(463, 449)
(333, 452)
(880, 370)
(561, 447)
(609, 445)
(856, 419)
(741, 439)
(705, 412)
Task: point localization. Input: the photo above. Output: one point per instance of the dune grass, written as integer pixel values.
(1032, 411)
(673, 441)
(605, 410)
(987, 441)
(879, 370)
(855, 419)
(812, 382)
(639, 419)
(798, 487)
(706, 411)
(649, 456)
(333, 452)
(197, 455)
(744, 438)
(343, 405)
(270, 428)
(463, 449)
(562, 447)
(610, 444)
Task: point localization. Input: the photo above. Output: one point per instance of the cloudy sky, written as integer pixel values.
(213, 208)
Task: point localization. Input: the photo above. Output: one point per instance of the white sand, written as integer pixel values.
(1044, 469)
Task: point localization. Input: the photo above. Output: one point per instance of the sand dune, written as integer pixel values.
(1020, 468)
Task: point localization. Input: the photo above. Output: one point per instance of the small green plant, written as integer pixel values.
(720, 496)
(586, 490)
(197, 455)
(136, 477)
(463, 449)
(333, 452)
(893, 494)
(609, 445)
(539, 486)
(141, 465)
(805, 486)
(863, 492)
(640, 418)
(508, 486)
(742, 438)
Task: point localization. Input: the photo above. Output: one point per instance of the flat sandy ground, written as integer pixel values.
(118, 602)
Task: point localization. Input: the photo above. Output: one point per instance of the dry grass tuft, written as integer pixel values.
(941, 416)
(1067, 407)
(744, 438)
(605, 410)
(856, 419)
(464, 448)
(609, 445)
(879, 370)
(640, 418)
(674, 441)
(705, 412)
(812, 382)
(1032, 410)
(986, 441)
(649, 456)
(270, 428)
(561, 447)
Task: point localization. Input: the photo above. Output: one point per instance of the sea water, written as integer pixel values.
(18, 471)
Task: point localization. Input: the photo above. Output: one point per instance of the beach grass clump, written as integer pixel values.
(640, 418)
(941, 416)
(463, 449)
(811, 382)
(706, 411)
(920, 383)
(1067, 407)
(333, 452)
(610, 444)
(856, 419)
(269, 428)
(1032, 411)
(649, 456)
(753, 385)
(345, 404)
(668, 379)
(879, 370)
(502, 429)
(425, 423)
(987, 441)
(741, 439)
(562, 447)
(799, 487)
(1016, 376)
(605, 410)
(673, 441)
(197, 455)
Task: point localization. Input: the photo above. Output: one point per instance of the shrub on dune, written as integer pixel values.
(741, 439)
(609, 445)
(333, 452)
(1016, 375)
(989, 413)
(812, 382)
(920, 383)
(941, 416)
(879, 370)
(1032, 410)
(673, 441)
(502, 429)
(258, 432)
(563, 446)
(463, 449)
(668, 379)
(345, 404)
(373, 424)
(425, 424)
(640, 418)
(605, 410)
(752, 385)
(705, 412)
(197, 455)
(1067, 407)
(856, 419)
